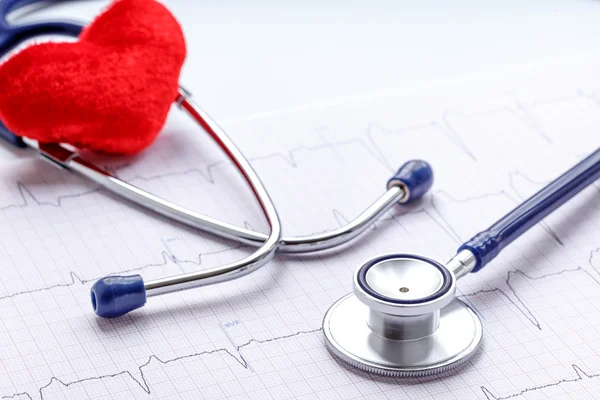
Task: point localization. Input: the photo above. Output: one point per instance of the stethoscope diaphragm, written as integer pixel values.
(402, 319)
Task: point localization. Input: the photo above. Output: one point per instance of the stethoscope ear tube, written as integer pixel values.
(12, 36)
(486, 245)
(114, 296)
(10, 137)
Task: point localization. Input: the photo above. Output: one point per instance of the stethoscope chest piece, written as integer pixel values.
(402, 319)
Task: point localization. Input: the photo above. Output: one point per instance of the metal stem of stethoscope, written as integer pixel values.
(403, 318)
(68, 159)
(242, 267)
(65, 158)
(114, 296)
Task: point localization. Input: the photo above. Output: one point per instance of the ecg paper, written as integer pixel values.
(491, 142)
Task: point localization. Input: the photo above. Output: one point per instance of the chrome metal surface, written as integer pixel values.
(407, 280)
(56, 154)
(162, 206)
(404, 279)
(403, 328)
(248, 264)
(462, 263)
(401, 185)
(348, 336)
(344, 234)
(61, 156)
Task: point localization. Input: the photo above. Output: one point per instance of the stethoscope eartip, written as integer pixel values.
(114, 296)
(415, 177)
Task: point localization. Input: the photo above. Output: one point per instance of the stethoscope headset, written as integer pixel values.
(402, 319)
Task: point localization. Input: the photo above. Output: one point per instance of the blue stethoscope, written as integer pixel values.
(402, 319)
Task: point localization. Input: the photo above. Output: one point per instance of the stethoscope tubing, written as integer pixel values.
(13, 35)
(487, 244)
(471, 256)
(248, 264)
(65, 158)
(68, 159)
(406, 304)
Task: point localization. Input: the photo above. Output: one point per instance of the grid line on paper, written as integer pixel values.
(260, 336)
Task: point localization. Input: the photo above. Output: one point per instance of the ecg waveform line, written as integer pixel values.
(445, 129)
(142, 381)
(580, 375)
(169, 257)
(209, 177)
(166, 256)
(289, 157)
(205, 172)
(76, 279)
(520, 304)
(144, 385)
(454, 136)
(25, 193)
(440, 221)
(522, 112)
(448, 227)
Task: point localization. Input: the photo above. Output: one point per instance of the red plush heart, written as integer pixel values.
(110, 91)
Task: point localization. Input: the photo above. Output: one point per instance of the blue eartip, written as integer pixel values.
(416, 177)
(114, 296)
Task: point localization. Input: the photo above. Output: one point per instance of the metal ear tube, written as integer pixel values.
(402, 318)
(114, 296)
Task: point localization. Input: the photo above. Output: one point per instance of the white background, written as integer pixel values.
(539, 302)
(247, 57)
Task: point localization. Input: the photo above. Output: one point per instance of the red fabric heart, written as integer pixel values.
(110, 91)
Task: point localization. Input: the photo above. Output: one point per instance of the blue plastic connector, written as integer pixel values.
(415, 177)
(114, 296)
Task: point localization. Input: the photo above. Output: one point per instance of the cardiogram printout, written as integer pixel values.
(492, 142)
